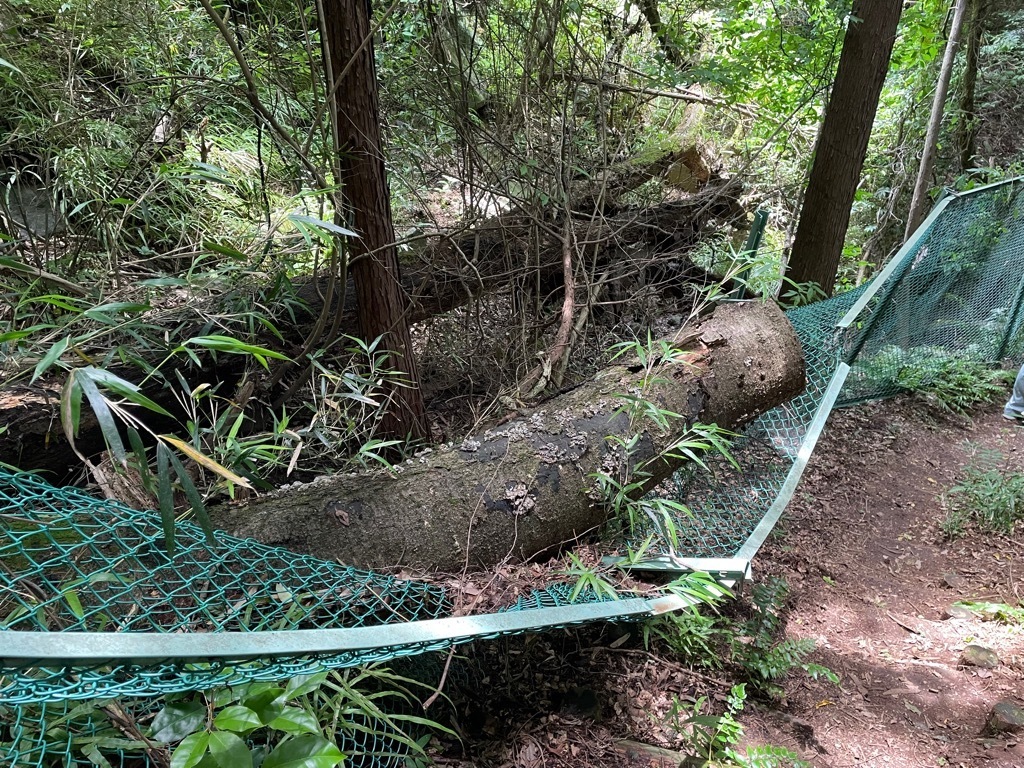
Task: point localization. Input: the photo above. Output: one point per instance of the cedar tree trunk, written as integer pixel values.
(526, 485)
(374, 261)
(843, 143)
(967, 135)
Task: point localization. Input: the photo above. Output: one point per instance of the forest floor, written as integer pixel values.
(872, 578)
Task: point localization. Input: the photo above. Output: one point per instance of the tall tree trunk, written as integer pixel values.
(649, 9)
(919, 201)
(843, 142)
(967, 135)
(375, 270)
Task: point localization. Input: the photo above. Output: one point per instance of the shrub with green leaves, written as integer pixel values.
(713, 737)
(753, 645)
(758, 650)
(954, 381)
(239, 727)
(310, 721)
(991, 498)
(694, 636)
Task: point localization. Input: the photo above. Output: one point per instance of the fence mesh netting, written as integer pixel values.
(72, 563)
(727, 503)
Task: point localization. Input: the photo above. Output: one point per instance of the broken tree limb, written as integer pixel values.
(538, 378)
(678, 94)
(450, 269)
(526, 485)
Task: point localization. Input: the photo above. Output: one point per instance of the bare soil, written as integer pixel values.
(872, 578)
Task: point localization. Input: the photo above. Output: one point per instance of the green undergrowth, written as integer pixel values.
(713, 738)
(998, 612)
(750, 648)
(950, 380)
(315, 721)
(989, 496)
(753, 645)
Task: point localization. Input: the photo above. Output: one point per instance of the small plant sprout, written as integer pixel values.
(588, 578)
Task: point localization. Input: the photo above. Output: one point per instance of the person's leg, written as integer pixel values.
(1014, 409)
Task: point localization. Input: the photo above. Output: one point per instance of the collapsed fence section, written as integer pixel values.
(92, 608)
(954, 292)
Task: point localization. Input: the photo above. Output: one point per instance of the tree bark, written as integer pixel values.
(525, 486)
(375, 268)
(919, 201)
(967, 135)
(649, 9)
(843, 143)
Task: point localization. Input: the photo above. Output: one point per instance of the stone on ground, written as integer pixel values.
(1007, 717)
(980, 656)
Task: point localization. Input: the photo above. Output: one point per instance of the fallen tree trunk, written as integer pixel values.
(449, 270)
(526, 485)
(33, 438)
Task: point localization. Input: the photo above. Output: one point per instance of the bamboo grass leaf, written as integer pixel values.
(104, 416)
(165, 495)
(194, 499)
(205, 461)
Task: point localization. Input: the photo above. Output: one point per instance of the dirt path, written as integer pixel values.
(872, 580)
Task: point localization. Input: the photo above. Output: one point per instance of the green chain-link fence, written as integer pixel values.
(954, 291)
(91, 607)
(957, 292)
